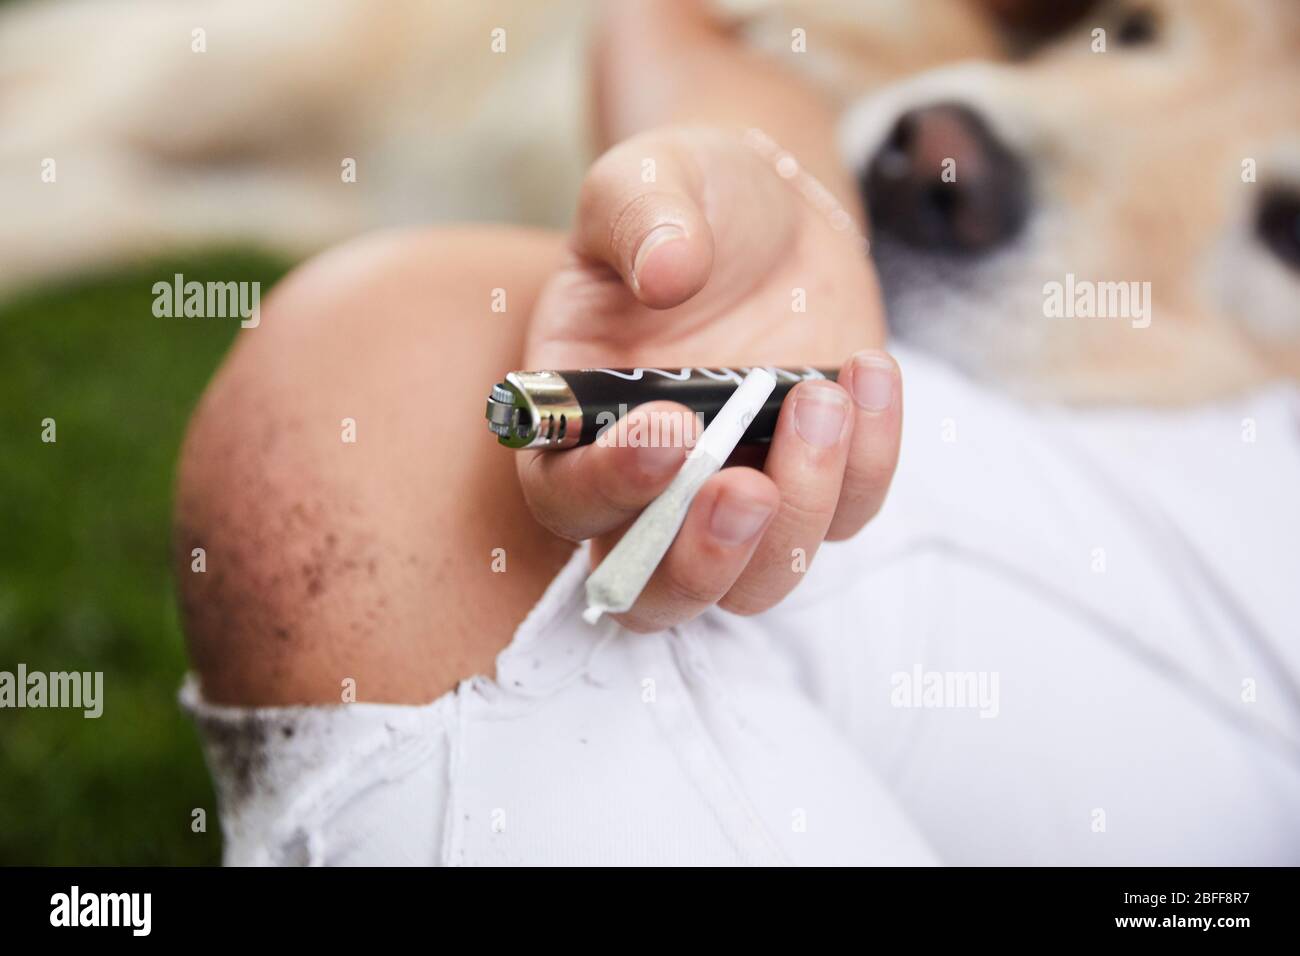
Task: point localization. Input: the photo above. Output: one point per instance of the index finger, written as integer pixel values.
(583, 492)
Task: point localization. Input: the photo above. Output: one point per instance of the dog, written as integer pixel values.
(1153, 147)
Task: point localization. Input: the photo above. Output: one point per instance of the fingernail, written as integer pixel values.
(819, 413)
(657, 459)
(668, 232)
(873, 382)
(735, 522)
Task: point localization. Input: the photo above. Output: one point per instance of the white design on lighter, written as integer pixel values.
(717, 374)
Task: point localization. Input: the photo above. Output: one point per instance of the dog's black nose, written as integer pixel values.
(942, 180)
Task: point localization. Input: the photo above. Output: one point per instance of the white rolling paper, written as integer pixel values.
(616, 584)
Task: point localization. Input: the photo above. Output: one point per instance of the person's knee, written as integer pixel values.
(307, 530)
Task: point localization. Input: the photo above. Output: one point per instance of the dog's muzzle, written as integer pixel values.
(943, 181)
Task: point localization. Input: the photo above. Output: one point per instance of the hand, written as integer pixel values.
(701, 267)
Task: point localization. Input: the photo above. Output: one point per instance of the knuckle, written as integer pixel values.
(621, 490)
(857, 507)
(802, 512)
(737, 601)
(870, 472)
(750, 597)
(849, 522)
(691, 590)
(597, 182)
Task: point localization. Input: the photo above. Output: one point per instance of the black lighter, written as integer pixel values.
(554, 410)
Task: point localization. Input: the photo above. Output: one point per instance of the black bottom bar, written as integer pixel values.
(526, 908)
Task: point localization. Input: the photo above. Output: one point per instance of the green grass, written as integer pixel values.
(85, 582)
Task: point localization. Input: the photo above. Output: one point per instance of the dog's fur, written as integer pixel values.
(1135, 155)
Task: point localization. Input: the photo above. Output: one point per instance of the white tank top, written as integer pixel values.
(1070, 637)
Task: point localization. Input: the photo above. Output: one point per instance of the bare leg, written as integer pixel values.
(329, 559)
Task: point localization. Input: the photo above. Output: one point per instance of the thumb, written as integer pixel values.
(639, 213)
